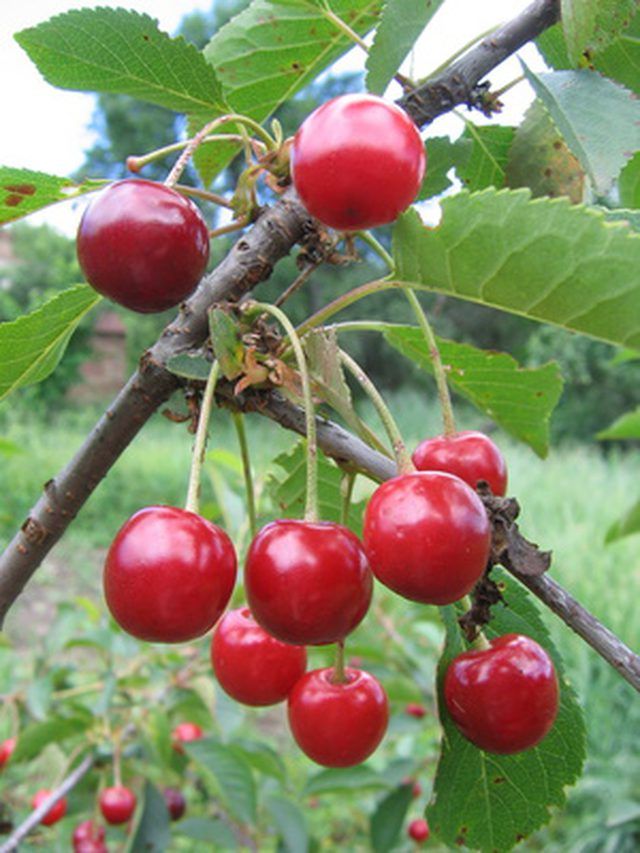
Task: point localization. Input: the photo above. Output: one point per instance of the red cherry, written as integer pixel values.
(418, 829)
(143, 245)
(338, 724)
(307, 583)
(416, 787)
(89, 846)
(357, 161)
(470, 455)
(57, 811)
(176, 803)
(87, 831)
(251, 665)
(505, 698)
(427, 536)
(117, 804)
(169, 574)
(6, 749)
(185, 732)
(415, 709)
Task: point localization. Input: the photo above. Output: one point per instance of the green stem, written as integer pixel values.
(448, 62)
(135, 163)
(205, 195)
(377, 247)
(200, 443)
(400, 452)
(346, 492)
(499, 92)
(311, 507)
(238, 422)
(341, 25)
(344, 301)
(339, 675)
(438, 368)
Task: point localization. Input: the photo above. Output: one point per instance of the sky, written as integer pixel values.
(48, 129)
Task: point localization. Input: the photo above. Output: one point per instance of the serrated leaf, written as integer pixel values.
(621, 59)
(237, 785)
(226, 343)
(629, 183)
(504, 798)
(291, 824)
(151, 833)
(209, 831)
(579, 22)
(116, 50)
(386, 821)
(540, 159)
(288, 489)
(400, 26)
(574, 100)
(488, 155)
(261, 757)
(354, 779)
(612, 18)
(625, 427)
(195, 367)
(630, 218)
(34, 738)
(520, 399)
(325, 366)
(545, 259)
(23, 191)
(625, 526)
(442, 156)
(32, 345)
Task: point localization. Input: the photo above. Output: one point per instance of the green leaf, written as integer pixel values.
(574, 100)
(629, 183)
(189, 366)
(544, 259)
(579, 22)
(35, 737)
(288, 489)
(400, 26)
(291, 824)
(540, 159)
(504, 798)
(210, 831)
(487, 160)
(442, 156)
(625, 427)
(621, 59)
(233, 774)
(354, 779)
(630, 218)
(520, 399)
(116, 50)
(226, 343)
(625, 526)
(23, 191)
(612, 18)
(39, 696)
(387, 819)
(261, 757)
(151, 834)
(32, 345)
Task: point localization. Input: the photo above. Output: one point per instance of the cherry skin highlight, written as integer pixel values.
(357, 161)
(6, 749)
(57, 811)
(252, 666)
(184, 733)
(418, 830)
(176, 803)
(427, 536)
(503, 699)
(143, 245)
(470, 455)
(169, 575)
(307, 583)
(117, 804)
(338, 724)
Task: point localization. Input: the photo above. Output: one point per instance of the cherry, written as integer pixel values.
(427, 536)
(338, 724)
(251, 665)
(357, 161)
(88, 837)
(143, 245)
(307, 583)
(169, 574)
(117, 804)
(415, 709)
(418, 829)
(505, 698)
(57, 811)
(89, 846)
(6, 749)
(176, 803)
(470, 455)
(183, 733)
(416, 787)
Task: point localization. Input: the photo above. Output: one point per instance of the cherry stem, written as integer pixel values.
(480, 643)
(117, 761)
(236, 225)
(311, 506)
(377, 247)
(499, 92)
(135, 163)
(296, 284)
(346, 492)
(337, 21)
(205, 195)
(400, 452)
(238, 422)
(345, 301)
(339, 675)
(199, 446)
(438, 367)
(458, 53)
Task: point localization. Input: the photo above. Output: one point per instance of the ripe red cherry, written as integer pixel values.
(143, 245)
(307, 583)
(415, 709)
(470, 455)
(169, 575)
(185, 732)
(88, 836)
(176, 803)
(251, 665)
(418, 829)
(338, 724)
(505, 698)
(427, 536)
(117, 804)
(90, 846)
(6, 749)
(57, 811)
(357, 162)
